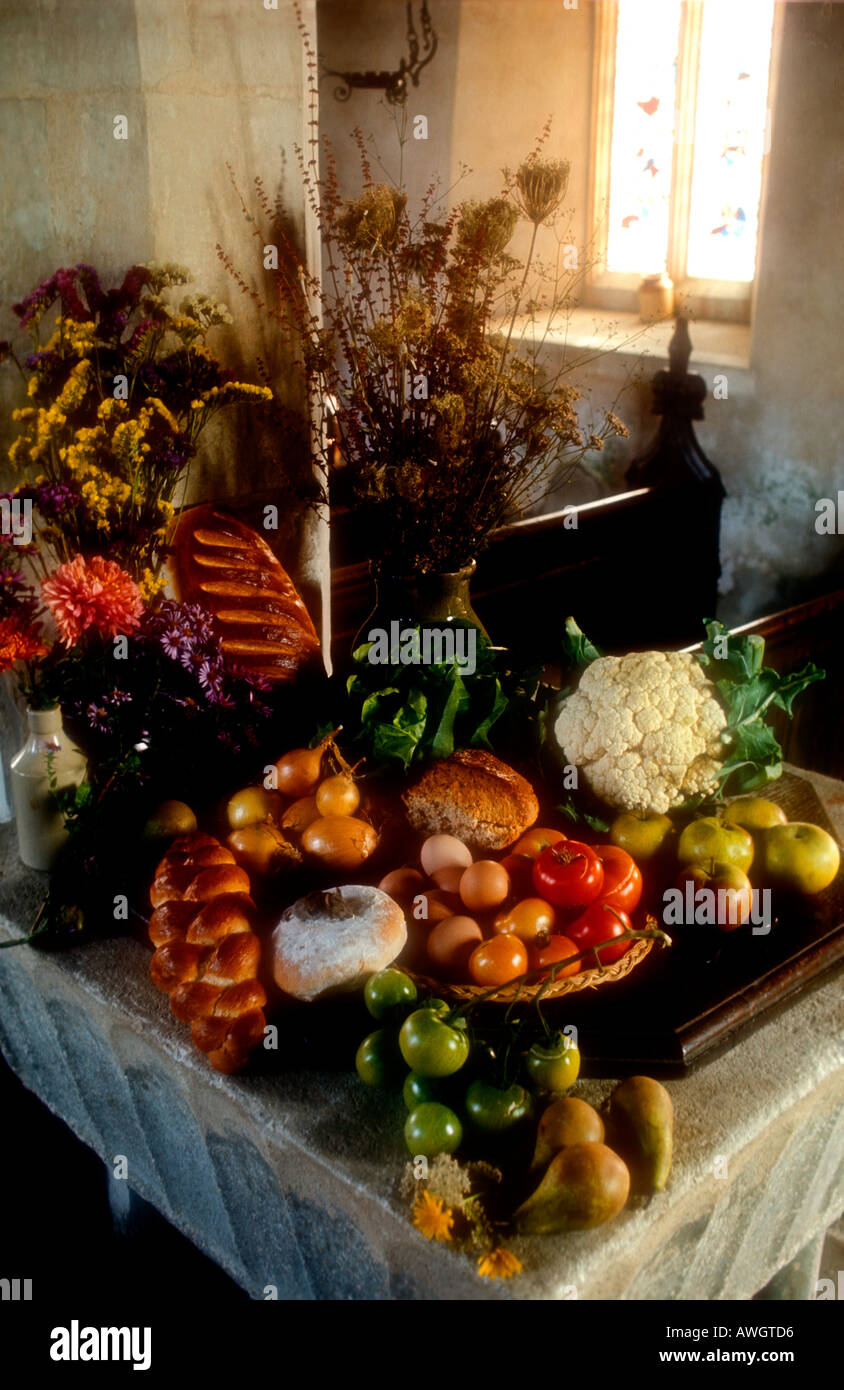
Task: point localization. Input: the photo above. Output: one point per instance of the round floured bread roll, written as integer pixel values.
(330, 942)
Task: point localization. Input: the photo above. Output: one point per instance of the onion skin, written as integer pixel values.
(339, 842)
(298, 772)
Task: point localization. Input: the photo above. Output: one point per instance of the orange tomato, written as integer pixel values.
(557, 948)
(532, 919)
(499, 960)
(534, 841)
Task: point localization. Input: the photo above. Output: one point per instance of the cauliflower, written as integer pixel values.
(645, 729)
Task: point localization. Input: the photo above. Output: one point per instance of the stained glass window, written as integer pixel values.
(643, 135)
(731, 59)
(730, 133)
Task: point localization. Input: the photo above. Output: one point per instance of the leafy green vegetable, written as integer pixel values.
(578, 651)
(747, 690)
(578, 816)
(408, 713)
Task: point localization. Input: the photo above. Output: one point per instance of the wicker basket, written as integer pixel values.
(585, 979)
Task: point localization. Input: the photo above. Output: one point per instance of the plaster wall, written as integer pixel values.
(775, 434)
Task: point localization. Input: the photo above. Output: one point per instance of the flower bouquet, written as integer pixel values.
(120, 392)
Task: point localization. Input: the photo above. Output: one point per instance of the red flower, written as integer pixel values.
(20, 640)
(93, 593)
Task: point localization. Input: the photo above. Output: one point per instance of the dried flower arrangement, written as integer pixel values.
(422, 347)
(120, 393)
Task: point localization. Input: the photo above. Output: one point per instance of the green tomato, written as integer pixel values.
(432, 1129)
(554, 1066)
(386, 991)
(377, 1061)
(431, 1046)
(417, 1089)
(494, 1110)
(439, 1006)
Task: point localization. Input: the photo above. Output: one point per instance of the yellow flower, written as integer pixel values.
(150, 585)
(431, 1218)
(499, 1264)
(75, 388)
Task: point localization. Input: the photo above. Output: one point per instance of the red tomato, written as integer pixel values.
(568, 874)
(622, 880)
(600, 923)
(534, 841)
(520, 868)
(557, 948)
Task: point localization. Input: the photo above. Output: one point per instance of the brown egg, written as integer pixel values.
(484, 885)
(443, 852)
(449, 878)
(403, 884)
(435, 906)
(451, 943)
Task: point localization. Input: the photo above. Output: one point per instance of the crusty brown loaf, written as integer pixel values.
(207, 956)
(474, 796)
(223, 564)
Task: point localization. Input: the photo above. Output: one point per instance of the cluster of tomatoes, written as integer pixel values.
(450, 1083)
(490, 922)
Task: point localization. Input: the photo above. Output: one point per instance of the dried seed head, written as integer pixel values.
(541, 186)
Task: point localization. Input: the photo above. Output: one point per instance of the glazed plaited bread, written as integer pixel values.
(207, 956)
(228, 568)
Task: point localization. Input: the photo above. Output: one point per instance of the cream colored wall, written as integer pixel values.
(776, 437)
(202, 82)
(520, 62)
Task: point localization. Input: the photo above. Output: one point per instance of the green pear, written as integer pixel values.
(584, 1186)
(640, 1125)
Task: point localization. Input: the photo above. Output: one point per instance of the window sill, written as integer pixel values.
(621, 338)
(714, 343)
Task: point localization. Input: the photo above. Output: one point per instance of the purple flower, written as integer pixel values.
(53, 498)
(97, 716)
(119, 697)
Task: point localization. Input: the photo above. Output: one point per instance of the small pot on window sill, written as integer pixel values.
(656, 297)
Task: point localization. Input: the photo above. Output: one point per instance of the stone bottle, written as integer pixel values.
(47, 756)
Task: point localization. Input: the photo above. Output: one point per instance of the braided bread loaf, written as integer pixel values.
(207, 955)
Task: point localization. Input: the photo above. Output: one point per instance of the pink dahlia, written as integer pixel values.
(93, 593)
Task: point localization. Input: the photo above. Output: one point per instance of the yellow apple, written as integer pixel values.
(755, 813)
(711, 838)
(799, 856)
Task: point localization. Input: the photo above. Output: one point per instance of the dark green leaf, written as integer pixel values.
(578, 816)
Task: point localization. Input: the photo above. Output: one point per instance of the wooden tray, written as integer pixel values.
(693, 1000)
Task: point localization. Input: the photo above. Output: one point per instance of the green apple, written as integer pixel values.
(799, 856)
(644, 834)
(732, 899)
(711, 838)
(754, 813)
